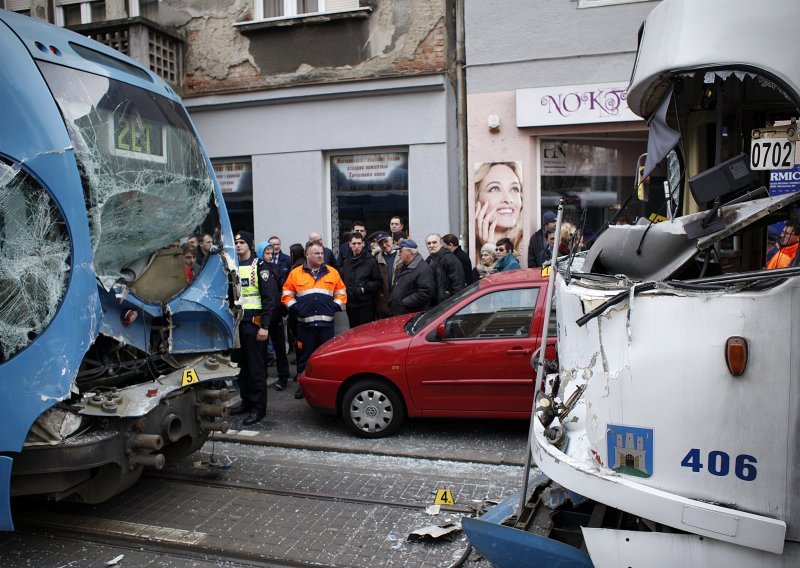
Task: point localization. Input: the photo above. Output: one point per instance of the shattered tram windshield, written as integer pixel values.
(145, 177)
(34, 259)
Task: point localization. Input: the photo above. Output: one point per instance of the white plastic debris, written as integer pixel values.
(115, 561)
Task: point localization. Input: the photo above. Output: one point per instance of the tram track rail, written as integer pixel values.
(67, 530)
(98, 526)
(322, 496)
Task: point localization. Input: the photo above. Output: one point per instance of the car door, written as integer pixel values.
(483, 362)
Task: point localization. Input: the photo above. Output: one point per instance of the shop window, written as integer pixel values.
(595, 177)
(235, 179)
(368, 187)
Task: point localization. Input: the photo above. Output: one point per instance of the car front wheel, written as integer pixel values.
(372, 409)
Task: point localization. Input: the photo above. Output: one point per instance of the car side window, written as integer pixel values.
(506, 313)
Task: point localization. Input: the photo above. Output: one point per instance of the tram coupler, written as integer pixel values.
(212, 410)
(208, 426)
(156, 461)
(147, 441)
(215, 394)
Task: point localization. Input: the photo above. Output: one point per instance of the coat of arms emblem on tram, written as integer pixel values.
(630, 450)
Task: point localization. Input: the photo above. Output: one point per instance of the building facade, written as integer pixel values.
(316, 113)
(546, 82)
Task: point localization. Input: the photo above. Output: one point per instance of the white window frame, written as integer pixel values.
(86, 10)
(596, 3)
(289, 10)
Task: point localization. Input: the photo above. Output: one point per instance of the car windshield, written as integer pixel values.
(421, 320)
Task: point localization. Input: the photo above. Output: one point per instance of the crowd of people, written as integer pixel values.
(289, 300)
(295, 297)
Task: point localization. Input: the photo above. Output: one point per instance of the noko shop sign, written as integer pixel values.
(573, 104)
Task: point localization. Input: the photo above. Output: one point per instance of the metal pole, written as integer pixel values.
(539, 366)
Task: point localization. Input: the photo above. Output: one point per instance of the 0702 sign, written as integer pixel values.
(771, 154)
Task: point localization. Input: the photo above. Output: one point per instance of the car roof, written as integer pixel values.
(513, 277)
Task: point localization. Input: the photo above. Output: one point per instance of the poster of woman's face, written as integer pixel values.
(497, 208)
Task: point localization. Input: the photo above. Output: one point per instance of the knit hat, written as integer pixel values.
(491, 248)
(245, 236)
(548, 217)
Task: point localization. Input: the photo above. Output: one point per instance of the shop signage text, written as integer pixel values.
(573, 104)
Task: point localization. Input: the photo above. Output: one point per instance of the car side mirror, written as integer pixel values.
(441, 331)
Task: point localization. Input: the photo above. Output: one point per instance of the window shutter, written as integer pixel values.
(17, 5)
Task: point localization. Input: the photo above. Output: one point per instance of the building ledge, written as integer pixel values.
(309, 19)
(86, 29)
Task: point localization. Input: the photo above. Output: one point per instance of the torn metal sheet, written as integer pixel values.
(657, 251)
(447, 531)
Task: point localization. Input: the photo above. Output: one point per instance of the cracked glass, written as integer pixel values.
(34, 259)
(146, 181)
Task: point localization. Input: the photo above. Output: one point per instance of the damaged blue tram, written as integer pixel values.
(110, 352)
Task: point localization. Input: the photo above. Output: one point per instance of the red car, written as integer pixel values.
(468, 357)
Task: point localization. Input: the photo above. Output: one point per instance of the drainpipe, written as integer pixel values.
(461, 122)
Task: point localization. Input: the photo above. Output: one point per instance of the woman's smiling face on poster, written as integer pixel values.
(502, 192)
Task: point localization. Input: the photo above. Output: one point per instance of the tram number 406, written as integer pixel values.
(719, 464)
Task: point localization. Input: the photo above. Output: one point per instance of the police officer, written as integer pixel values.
(260, 297)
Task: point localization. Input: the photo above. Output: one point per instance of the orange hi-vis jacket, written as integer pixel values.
(314, 300)
(783, 257)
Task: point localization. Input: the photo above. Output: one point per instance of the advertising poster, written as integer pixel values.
(498, 206)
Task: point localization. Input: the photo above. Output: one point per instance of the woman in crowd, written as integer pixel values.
(485, 264)
(506, 260)
(498, 203)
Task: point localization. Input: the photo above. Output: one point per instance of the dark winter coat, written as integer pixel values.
(382, 307)
(466, 264)
(414, 287)
(448, 274)
(361, 272)
(536, 249)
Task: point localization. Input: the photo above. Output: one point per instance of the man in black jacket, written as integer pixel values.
(537, 254)
(414, 286)
(362, 277)
(447, 270)
(450, 241)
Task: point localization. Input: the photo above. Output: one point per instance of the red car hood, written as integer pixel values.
(381, 331)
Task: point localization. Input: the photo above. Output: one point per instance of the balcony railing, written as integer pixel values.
(154, 46)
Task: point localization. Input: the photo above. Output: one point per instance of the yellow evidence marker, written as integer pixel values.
(444, 497)
(189, 377)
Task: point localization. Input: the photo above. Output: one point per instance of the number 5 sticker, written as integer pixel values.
(719, 464)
